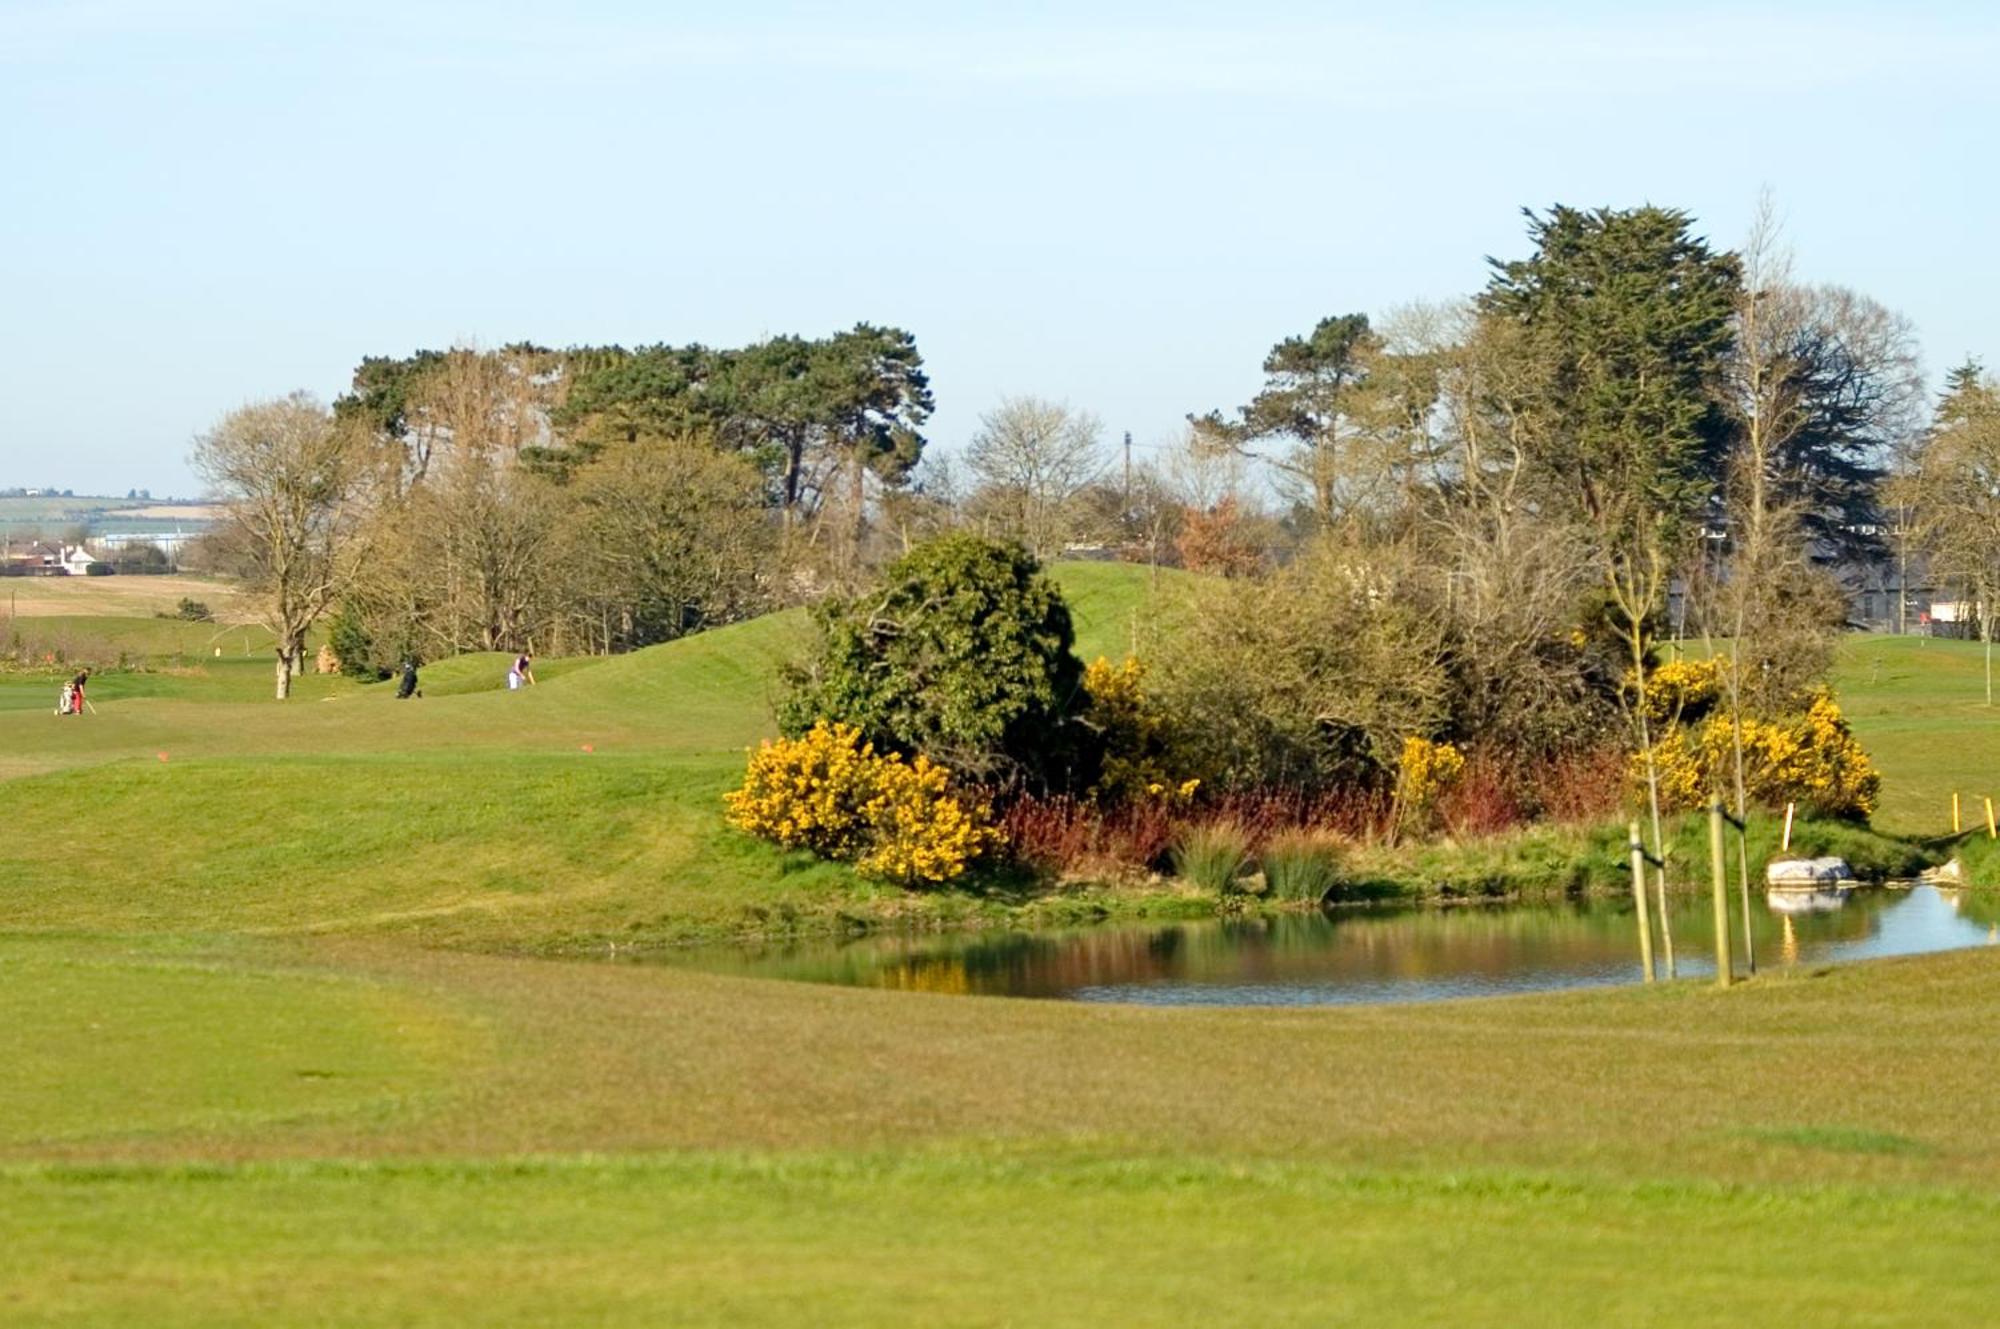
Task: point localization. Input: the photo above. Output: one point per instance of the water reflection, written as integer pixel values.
(1823, 900)
(1372, 956)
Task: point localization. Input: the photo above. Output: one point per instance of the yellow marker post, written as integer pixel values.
(1954, 812)
(1991, 834)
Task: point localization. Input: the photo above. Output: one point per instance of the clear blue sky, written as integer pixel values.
(204, 202)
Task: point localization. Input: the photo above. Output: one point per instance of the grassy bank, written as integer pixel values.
(585, 811)
(1543, 861)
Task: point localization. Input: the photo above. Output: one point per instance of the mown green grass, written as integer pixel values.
(101, 638)
(121, 1038)
(1919, 707)
(583, 810)
(268, 1062)
(970, 1241)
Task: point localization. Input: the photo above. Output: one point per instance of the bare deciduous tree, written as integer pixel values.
(1033, 458)
(290, 482)
(664, 537)
(1958, 521)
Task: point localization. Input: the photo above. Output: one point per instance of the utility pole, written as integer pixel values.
(1128, 470)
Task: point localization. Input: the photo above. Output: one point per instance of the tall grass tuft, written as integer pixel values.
(1301, 864)
(1212, 855)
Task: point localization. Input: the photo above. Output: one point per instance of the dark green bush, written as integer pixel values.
(963, 652)
(353, 645)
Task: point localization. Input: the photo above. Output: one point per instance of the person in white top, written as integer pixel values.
(522, 672)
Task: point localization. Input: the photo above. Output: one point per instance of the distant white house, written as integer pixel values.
(76, 560)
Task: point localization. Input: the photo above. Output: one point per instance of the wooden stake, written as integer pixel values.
(1955, 828)
(1660, 910)
(1743, 891)
(1990, 833)
(1785, 846)
(1719, 881)
(1639, 899)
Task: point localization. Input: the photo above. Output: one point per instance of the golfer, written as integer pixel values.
(522, 672)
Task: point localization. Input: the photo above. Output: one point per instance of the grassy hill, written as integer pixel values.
(271, 1061)
(583, 809)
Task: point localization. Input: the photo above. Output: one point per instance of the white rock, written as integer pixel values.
(1807, 872)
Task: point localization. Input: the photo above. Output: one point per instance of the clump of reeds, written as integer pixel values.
(1301, 864)
(1213, 856)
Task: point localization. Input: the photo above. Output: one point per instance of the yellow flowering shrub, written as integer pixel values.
(1682, 690)
(1810, 758)
(1424, 770)
(831, 793)
(810, 792)
(922, 833)
(1137, 742)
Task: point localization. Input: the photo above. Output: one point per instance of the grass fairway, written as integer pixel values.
(1919, 706)
(914, 1240)
(276, 1052)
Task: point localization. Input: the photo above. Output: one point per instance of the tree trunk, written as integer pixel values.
(284, 674)
(860, 510)
(795, 460)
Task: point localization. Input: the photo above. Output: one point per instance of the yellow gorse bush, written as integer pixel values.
(810, 792)
(831, 793)
(1424, 770)
(1137, 760)
(920, 831)
(1811, 758)
(1682, 689)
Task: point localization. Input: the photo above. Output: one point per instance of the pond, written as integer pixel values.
(1373, 955)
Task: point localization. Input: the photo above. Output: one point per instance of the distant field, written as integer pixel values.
(55, 507)
(128, 596)
(55, 518)
(170, 511)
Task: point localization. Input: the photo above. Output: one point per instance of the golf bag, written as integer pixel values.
(66, 704)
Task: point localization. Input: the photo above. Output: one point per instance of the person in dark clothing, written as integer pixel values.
(76, 685)
(407, 686)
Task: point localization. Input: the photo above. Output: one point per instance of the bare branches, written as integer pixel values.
(289, 480)
(1035, 459)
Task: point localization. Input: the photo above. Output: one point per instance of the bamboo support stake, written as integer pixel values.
(1955, 828)
(1719, 880)
(1990, 832)
(1660, 910)
(1743, 890)
(1639, 899)
(1785, 846)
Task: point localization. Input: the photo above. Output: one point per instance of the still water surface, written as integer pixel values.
(1367, 956)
